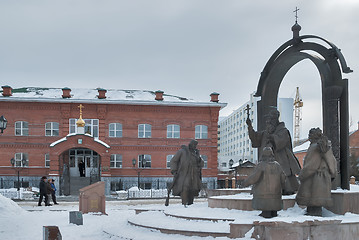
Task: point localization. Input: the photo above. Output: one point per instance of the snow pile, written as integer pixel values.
(9, 208)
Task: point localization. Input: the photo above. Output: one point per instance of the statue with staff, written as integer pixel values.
(277, 137)
(186, 166)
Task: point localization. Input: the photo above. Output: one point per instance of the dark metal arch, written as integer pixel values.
(330, 63)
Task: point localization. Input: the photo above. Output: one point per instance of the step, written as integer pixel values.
(76, 183)
(243, 201)
(173, 225)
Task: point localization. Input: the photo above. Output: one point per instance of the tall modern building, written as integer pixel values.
(234, 143)
(124, 137)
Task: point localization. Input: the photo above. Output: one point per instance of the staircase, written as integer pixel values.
(169, 223)
(76, 183)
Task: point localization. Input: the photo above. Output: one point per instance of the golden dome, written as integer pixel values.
(80, 122)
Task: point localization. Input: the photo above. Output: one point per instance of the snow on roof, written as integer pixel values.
(91, 95)
(301, 148)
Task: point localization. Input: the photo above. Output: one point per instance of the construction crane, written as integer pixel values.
(298, 104)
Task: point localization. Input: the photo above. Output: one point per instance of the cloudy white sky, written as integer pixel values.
(188, 48)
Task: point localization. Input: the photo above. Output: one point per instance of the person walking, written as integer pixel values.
(49, 190)
(53, 191)
(43, 191)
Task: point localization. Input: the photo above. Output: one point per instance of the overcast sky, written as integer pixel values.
(188, 48)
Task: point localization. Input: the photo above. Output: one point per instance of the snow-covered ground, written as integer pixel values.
(24, 220)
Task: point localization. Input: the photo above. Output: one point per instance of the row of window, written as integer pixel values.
(144, 160)
(115, 129)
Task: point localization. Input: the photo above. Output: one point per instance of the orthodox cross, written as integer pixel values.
(296, 14)
(247, 109)
(81, 107)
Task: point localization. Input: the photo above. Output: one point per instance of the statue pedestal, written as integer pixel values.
(243, 201)
(344, 201)
(326, 229)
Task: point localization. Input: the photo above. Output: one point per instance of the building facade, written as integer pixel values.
(128, 139)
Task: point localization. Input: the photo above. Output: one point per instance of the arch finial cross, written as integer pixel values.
(296, 14)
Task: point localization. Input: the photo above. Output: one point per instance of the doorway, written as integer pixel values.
(89, 157)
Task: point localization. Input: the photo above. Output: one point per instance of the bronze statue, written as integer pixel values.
(277, 136)
(268, 180)
(319, 168)
(186, 166)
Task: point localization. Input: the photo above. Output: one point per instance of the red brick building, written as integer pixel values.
(354, 143)
(130, 136)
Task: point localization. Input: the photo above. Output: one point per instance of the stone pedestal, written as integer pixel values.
(75, 217)
(317, 230)
(92, 198)
(243, 202)
(345, 202)
(51, 233)
(226, 191)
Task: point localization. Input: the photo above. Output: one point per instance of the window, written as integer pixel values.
(21, 160)
(224, 164)
(201, 132)
(116, 186)
(51, 129)
(91, 126)
(115, 130)
(116, 161)
(173, 131)
(168, 160)
(144, 161)
(205, 160)
(146, 185)
(47, 160)
(144, 130)
(21, 128)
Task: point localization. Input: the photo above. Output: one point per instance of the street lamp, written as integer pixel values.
(141, 166)
(18, 165)
(3, 124)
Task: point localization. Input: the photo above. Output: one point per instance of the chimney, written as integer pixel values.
(66, 92)
(6, 91)
(101, 93)
(214, 97)
(159, 95)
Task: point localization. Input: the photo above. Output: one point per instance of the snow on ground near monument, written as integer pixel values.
(17, 223)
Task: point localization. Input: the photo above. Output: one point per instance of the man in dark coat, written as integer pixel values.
(268, 180)
(186, 167)
(82, 168)
(277, 136)
(320, 167)
(43, 191)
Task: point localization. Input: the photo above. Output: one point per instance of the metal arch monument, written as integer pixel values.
(330, 63)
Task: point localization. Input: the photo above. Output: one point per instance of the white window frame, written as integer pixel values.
(90, 124)
(173, 131)
(18, 159)
(22, 127)
(168, 160)
(116, 161)
(116, 132)
(205, 160)
(201, 132)
(52, 128)
(148, 160)
(144, 130)
(47, 160)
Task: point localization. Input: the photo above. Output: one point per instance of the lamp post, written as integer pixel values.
(3, 124)
(141, 166)
(18, 165)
